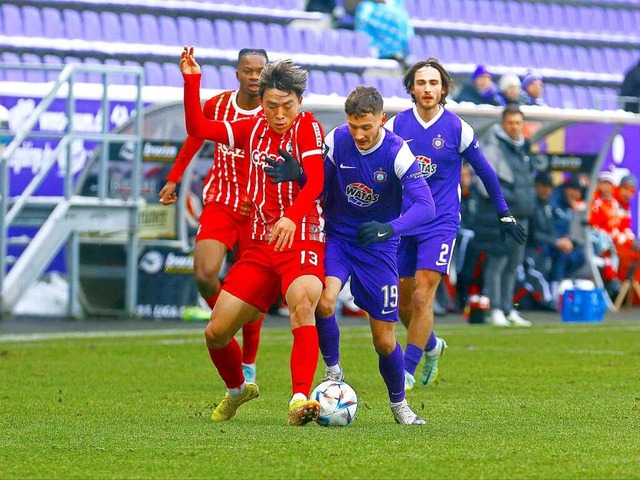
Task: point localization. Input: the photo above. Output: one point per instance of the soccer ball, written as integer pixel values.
(338, 403)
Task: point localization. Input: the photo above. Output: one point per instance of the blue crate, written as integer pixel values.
(583, 305)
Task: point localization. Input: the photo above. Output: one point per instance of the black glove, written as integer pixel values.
(374, 232)
(287, 171)
(508, 225)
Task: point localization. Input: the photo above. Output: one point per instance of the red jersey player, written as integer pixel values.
(225, 217)
(286, 254)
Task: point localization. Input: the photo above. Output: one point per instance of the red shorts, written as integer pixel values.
(262, 274)
(219, 222)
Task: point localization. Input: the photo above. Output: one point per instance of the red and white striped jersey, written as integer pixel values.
(304, 140)
(226, 181)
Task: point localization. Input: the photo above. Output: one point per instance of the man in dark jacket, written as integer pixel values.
(631, 89)
(509, 154)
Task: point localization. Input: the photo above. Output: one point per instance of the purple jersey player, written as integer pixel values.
(440, 140)
(368, 173)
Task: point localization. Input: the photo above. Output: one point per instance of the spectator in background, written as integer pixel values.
(533, 87)
(627, 244)
(510, 89)
(508, 152)
(631, 88)
(566, 201)
(387, 24)
(604, 218)
(480, 90)
(322, 6)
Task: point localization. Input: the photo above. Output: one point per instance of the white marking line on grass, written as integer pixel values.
(597, 352)
(37, 337)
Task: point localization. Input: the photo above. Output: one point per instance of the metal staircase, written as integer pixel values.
(60, 220)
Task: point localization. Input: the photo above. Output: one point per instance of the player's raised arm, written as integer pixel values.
(197, 125)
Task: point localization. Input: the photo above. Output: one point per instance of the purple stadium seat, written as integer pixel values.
(479, 49)
(89, 77)
(500, 16)
(52, 22)
(313, 40)
(371, 81)
(509, 55)
(606, 98)
(599, 22)
(529, 15)
(583, 97)
(294, 39)
(172, 75)
(515, 12)
(345, 43)
(72, 23)
(77, 77)
(32, 21)
(431, 46)
(169, 31)
(150, 31)
(567, 98)
(351, 81)
(153, 74)
(464, 49)
(276, 34)
(241, 35)
(551, 95)
(259, 36)
(117, 78)
(557, 17)
(494, 52)
(335, 83)
(447, 52)
(223, 35)
(413, 8)
(362, 44)
(228, 80)
(210, 77)
(34, 76)
(554, 59)
(52, 75)
(11, 20)
(568, 58)
(131, 79)
(627, 21)
(574, 21)
(205, 33)
(485, 11)
(627, 58)
(318, 82)
(524, 52)
(583, 57)
(130, 28)
(92, 26)
(416, 46)
(187, 31)
(12, 75)
(111, 28)
(539, 57)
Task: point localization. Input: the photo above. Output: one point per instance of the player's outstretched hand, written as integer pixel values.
(168, 194)
(287, 171)
(374, 232)
(509, 226)
(188, 64)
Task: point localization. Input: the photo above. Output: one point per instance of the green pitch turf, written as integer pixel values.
(554, 401)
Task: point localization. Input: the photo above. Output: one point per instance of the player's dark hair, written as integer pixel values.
(511, 109)
(363, 100)
(432, 62)
(252, 51)
(283, 75)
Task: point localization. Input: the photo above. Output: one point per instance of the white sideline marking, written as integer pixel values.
(597, 352)
(36, 337)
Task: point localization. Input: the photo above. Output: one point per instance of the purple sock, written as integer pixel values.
(432, 342)
(329, 337)
(392, 371)
(412, 356)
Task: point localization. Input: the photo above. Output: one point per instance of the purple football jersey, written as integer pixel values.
(439, 147)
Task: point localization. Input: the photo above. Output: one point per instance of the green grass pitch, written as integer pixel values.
(555, 401)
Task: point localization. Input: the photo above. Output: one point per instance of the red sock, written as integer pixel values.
(211, 301)
(304, 358)
(251, 340)
(228, 361)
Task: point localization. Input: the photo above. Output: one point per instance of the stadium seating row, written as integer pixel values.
(320, 82)
(552, 16)
(514, 53)
(148, 29)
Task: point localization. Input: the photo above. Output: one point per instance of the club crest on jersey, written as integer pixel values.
(361, 195)
(426, 167)
(380, 176)
(438, 142)
(289, 147)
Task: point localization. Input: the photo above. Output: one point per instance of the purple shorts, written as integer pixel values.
(374, 275)
(427, 251)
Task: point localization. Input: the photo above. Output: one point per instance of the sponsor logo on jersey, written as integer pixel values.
(426, 167)
(438, 142)
(316, 129)
(361, 195)
(380, 176)
(258, 158)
